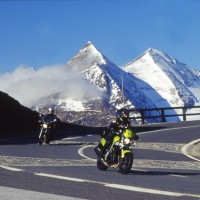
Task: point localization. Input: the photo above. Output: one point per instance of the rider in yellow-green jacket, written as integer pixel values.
(119, 126)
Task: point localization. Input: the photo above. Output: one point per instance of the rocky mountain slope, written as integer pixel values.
(14, 117)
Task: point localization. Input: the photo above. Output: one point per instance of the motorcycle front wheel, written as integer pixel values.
(126, 163)
(46, 139)
(40, 142)
(41, 138)
(101, 165)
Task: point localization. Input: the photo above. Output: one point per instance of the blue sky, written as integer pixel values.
(41, 33)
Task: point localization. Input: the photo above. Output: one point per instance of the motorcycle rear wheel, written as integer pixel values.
(101, 165)
(126, 163)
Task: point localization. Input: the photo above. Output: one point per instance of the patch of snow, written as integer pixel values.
(70, 104)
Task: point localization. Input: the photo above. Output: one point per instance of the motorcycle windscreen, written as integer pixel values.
(128, 133)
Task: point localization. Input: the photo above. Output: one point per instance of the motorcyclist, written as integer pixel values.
(116, 127)
(50, 117)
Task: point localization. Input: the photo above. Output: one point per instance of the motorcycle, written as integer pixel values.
(119, 154)
(46, 128)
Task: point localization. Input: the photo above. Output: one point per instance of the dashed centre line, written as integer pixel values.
(122, 187)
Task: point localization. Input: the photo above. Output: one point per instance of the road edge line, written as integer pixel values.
(185, 147)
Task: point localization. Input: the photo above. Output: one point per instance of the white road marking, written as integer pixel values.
(178, 175)
(80, 152)
(150, 191)
(168, 129)
(72, 138)
(185, 147)
(122, 187)
(60, 177)
(11, 168)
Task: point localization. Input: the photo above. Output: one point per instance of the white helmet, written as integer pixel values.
(50, 111)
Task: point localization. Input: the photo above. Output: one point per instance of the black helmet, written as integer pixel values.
(123, 114)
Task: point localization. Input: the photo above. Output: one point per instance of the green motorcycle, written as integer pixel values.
(119, 154)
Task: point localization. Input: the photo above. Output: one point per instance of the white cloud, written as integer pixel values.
(28, 86)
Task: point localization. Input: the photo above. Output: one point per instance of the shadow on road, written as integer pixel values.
(64, 131)
(161, 173)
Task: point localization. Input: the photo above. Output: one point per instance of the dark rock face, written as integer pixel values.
(15, 118)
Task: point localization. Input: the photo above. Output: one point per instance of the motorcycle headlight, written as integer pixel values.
(45, 126)
(127, 141)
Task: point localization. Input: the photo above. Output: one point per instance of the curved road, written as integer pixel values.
(66, 169)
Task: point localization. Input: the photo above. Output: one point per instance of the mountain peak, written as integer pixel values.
(88, 56)
(157, 55)
(153, 52)
(88, 45)
(90, 48)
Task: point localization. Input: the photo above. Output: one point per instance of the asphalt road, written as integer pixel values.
(66, 169)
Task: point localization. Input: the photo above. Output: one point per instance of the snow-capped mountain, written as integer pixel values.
(107, 77)
(174, 82)
(108, 80)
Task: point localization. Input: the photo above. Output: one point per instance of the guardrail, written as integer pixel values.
(162, 114)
